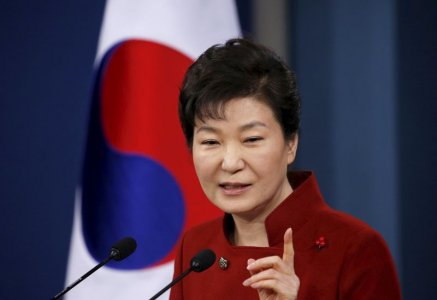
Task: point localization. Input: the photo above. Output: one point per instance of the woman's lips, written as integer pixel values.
(233, 189)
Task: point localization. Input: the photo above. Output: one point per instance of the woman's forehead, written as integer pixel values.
(242, 114)
(224, 110)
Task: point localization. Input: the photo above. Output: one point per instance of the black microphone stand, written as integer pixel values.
(176, 280)
(199, 263)
(60, 294)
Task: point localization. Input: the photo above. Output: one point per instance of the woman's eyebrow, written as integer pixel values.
(207, 129)
(252, 124)
(244, 127)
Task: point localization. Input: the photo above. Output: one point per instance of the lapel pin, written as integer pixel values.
(223, 263)
(321, 242)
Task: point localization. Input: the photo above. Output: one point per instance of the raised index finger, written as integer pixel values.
(288, 256)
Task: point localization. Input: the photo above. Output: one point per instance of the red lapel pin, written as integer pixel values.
(321, 242)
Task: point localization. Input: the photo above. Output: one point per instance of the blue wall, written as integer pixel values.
(417, 145)
(367, 72)
(345, 57)
(46, 55)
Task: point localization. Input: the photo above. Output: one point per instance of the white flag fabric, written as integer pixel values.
(138, 179)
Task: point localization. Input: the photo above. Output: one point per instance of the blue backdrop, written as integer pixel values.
(367, 74)
(46, 57)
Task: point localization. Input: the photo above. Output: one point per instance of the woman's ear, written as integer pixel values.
(292, 148)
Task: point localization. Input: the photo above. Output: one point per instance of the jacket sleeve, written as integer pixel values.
(368, 271)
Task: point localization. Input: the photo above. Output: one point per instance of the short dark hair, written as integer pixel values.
(239, 68)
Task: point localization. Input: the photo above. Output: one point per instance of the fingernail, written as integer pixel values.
(250, 262)
(246, 282)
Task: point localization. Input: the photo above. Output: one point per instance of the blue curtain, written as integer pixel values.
(46, 62)
(367, 74)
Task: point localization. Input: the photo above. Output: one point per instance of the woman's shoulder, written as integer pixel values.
(348, 227)
(364, 256)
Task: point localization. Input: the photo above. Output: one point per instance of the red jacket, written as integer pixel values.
(336, 255)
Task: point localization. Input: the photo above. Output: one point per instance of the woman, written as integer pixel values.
(239, 110)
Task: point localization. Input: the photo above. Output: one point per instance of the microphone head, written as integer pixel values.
(202, 260)
(123, 248)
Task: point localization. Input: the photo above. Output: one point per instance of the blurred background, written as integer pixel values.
(367, 72)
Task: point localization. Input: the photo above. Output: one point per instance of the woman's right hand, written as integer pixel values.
(273, 277)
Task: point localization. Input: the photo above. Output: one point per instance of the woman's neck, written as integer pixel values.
(249, 233)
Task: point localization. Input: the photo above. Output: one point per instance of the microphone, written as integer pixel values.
(199, 263)
(123, 248)
(119, 251)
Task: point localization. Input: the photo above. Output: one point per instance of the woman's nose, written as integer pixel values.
(232, 160)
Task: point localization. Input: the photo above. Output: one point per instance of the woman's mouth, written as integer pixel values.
(234, 188)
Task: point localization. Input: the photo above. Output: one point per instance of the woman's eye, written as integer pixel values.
(253, 139)
(209, 142)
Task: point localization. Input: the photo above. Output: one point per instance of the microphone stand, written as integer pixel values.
(60, 294)
(174, 281)
(199, 263)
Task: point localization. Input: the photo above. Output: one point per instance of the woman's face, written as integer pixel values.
(241, 161)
